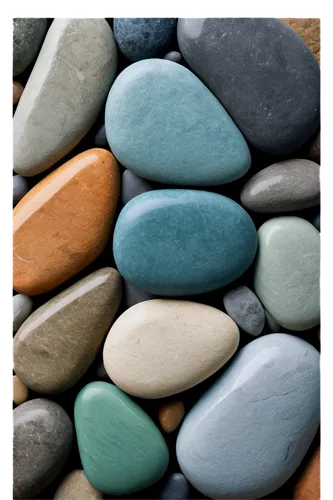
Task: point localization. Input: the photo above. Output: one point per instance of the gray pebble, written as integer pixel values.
(22, 307)
(271, 323)
(43, 435)
(173, 56)
(176, 488)
(244, 307)
(27, 40)
(100, 139)
(314, 149)
(316, 222)
(132, 185)
(20, 188)
(133, 295)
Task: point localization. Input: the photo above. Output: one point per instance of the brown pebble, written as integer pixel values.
(20, 391)
(170, 415)
(75, 486)
(309, 31)
(308, 485)
(17, 91)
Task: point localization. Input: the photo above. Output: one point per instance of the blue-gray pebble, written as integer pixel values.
(132, 186)
(316, 222)
(250, 431)
(173, 56)
(244, 307)
(133, 295)
(163, 124)
(182, 241)
(20, 188)
(272, 324)
(142, 38)
(176, 488)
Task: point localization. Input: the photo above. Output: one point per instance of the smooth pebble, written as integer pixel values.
(176, 488)
(75, 486)
(244, 307)
(22, 307)
(173, 56)
(132, 186)
(28, 36)
(170, 415)
(20, 391)
(20, 188)
(17, 91)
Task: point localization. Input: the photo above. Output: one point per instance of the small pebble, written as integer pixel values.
(17, 91)
(173, 56)
(22, 307)
(170, 415)
(314, 149)
(132, 186)
(176, 488)
(20, 391)
(75, 486)
(316, 222)
(308, 485)
(133, 295)
(271, 323)
(20, 188)
(100, 139)
(28, 36)
(244, 307)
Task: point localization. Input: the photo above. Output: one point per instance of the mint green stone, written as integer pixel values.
(121, 449)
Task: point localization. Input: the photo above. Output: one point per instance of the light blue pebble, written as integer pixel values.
(250, 431)
(163, 124)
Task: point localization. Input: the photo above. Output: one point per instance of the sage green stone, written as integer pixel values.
(121, 449)
(287, 272)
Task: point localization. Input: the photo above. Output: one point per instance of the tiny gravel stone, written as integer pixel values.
(173, 56)
(170, 415)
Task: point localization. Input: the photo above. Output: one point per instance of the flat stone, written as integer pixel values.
(20, 188)
(132, 186)
(20, 391)
(244, 307)
(170, 415)
(283, 187)
(195, 339)
(22, 307)
(183, 242)
(75, 486)
(308, 485)
(262, 72)
(313, 151)
(164, 125)
(271, 323)
(287, 272)
(173, 56)
(309, 31)
(60, 340)
(176, 488)
(28, 36)
(43, 435)
(100, 139)
(49, 249)
(75, 67)
(133, 295)
(17, 91)
(249, 432)
(316, 221)
(141, 38)
(121, 449)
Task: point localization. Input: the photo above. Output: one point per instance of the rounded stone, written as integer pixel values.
(164, 125)
(313, 150)
(100, 139)
(308, 485)
(132, 186)
(141, 38)
(59, 341)
(20, 391)
(176, 488)
(133, 295)
(316, 221)
(49, 249)
(121, 449)
(249, 432)
(285, 186)
(20, 188)
(17, 91)
(287, 272)
(272, 324)
(28, 36)
(75, 486)
(43, 435)
(65, 92)
(244, 307)
(194, 339)
(22, 307)
(173, 56)
(309, 31)
(170, 415)
(263, 74)
(178, 242)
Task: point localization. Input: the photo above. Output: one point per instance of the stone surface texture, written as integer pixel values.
(75, 486)
(43, 435)
(22, 307)
(64, 222)
(65, 92)
(250, 431)
(244, 307)
(59, 341)
(28, 36)
(20, 391)
(309, 31)
(308, 485)
(263, 74)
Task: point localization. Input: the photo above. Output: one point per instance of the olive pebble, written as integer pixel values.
(17, 91)
(20, 391)
(170, 415)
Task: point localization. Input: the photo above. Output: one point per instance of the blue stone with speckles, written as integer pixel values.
(163, 124)
(182, 241)
(250, 431)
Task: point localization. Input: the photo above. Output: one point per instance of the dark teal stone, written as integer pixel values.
(164, 125)
(179, 241)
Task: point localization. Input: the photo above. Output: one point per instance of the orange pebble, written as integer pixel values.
(17, 91)
(170, 415)
(308, 485)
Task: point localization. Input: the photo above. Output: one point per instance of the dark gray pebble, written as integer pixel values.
(100, 139)
(132, 185)
(316, 222)
(133, 295)
(314, 149)
(244, 307)
(271, 323)
(27, 40)
(176, 488)
(20, 188)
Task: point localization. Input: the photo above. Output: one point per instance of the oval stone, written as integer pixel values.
(141, 38)
(64, 222)
(249, 432)
(262, 72)
(194, 339)
(163, 124)
(285, 186)
(121, 449)
(22, 307)
(65, 92)
(17, 91)
(43, 434)
(244, 307)
(75, 486)
(173, 56)
(287, 272)
(28, 35)
(56, 345)
(178, 241)
(176, 488)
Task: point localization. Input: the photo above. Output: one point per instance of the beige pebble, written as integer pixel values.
(170, 415)
(20, 391)
(17, 91)
(75, 486)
